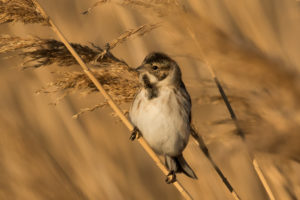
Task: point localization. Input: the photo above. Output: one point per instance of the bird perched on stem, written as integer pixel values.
(161, 112)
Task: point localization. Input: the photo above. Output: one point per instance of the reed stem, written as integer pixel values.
(240, 132)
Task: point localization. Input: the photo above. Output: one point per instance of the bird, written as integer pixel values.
(161, 112)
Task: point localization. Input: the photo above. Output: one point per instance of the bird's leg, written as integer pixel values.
(135, 134)
(173, 177)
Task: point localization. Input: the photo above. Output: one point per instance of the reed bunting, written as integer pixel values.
(161, 112)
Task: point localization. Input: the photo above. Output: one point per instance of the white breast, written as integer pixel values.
(162, 120)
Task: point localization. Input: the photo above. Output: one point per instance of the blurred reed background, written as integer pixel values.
(252, 45)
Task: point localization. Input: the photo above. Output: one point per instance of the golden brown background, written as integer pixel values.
(254, 48)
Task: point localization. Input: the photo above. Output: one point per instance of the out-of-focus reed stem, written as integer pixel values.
(234, 118)
(109, 100)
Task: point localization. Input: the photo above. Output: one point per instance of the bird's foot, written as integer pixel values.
(135, 134)
(171, 179)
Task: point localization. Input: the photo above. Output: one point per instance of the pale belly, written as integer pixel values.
(163, 125)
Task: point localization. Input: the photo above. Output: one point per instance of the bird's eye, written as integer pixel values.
(154, 67)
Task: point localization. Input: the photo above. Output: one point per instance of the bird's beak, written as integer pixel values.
(140, 69)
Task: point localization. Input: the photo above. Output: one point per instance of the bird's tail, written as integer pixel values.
(178, 164)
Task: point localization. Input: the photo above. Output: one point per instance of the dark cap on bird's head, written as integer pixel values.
(160, 68)
(157, 57)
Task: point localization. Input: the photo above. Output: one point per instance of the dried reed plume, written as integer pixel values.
(120, 83)
(20, 11)
(140, 31)
(160, 8)
(39, 52)
(116, 76)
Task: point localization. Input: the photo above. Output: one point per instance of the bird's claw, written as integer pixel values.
(172, 179)
(135, 134)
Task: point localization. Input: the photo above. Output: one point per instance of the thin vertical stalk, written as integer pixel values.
(109, 100)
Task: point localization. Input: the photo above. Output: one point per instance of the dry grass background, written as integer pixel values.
(253, 47)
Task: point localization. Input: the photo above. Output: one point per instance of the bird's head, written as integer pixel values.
(159, 69)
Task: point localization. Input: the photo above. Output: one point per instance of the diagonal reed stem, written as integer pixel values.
(242, 135)
(199, 141)
(234, 118)
(109, 100)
